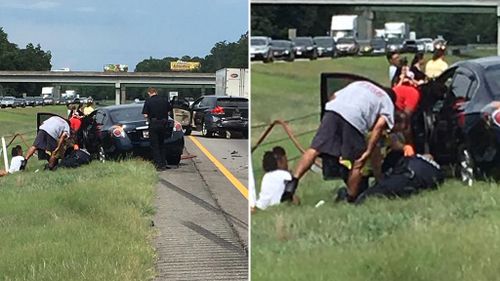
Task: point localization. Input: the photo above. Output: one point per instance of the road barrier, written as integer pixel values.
(290, 135)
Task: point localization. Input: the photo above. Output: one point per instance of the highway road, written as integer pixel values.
(202, 213)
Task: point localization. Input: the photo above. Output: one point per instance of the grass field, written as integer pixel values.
(90, 223)
(449, 234)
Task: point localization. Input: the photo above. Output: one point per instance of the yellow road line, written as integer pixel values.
(241, 188)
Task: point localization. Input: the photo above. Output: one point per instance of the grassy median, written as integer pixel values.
(448, 234)
(89, 223)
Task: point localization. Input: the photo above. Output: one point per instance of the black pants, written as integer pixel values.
(157, 134)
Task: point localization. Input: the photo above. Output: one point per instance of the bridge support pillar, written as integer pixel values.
(123, 94)
(202, 90)
(117, 93)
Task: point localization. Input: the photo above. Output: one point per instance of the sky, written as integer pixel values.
(86, 34)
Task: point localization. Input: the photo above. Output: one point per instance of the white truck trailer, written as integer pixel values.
(345, 26)
(232, 82)
(397, 30)
(50, 92)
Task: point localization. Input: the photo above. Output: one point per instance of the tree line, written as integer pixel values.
(223, 54)
(314, 20)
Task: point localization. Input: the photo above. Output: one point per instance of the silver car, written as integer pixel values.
(8, 102)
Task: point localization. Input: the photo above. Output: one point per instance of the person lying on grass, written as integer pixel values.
(16, 163)
(275, 164)
(408, 177)
(357, 109)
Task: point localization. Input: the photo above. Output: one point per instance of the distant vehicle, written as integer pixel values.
(378, 46)
(365, 49)
(428, 45)
(30, 101)
(282, 49)
(8, 101)
(219, 115)
(38, 101)
(395, 45)
(83, 100)
(379, 33)
(20, 102)
(345, 26)
(64, 69)
(115, 68)
(464, 123)
(439, 43)
(51, 92)
(347, 46)
(399, 30)
(304, 47)
(232, 82)
(325, 46)
(48, 101)
(410, 46)
(260, 49)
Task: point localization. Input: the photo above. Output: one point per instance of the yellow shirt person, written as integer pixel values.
(87, 110)
(434, 68)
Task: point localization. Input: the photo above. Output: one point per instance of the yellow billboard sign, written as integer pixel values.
(184, 65)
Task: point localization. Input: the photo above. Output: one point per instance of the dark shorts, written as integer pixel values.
(336, 137)
(44, 141)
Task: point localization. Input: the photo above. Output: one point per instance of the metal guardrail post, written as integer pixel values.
(5, 160)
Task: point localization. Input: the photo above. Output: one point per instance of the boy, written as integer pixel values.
(16, 164)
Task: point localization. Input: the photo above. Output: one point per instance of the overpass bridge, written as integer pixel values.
(119, 79)
(368, 7)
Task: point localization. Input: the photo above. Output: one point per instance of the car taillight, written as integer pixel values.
(496, 117)
(218, 110)
(118, 132)
(177, 126)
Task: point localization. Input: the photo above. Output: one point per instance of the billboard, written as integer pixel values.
(184, 65)
(115, 68)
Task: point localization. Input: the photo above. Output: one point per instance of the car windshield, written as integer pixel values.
(302, 41)
(9, 98)
(324, 42)
(492, 78)
(394, 41)
(280, 43)
(232, 102)
(258, 42)
(127, 114)
(410, 42)
(345, 41)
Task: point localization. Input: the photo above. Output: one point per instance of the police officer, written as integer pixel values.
(156, 110)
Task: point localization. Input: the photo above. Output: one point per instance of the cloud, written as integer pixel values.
(30, 5)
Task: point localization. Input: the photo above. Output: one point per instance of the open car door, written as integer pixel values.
(330, 84)
(182, 114)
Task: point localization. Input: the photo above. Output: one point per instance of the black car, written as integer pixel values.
(410, 46)
(464, 120)
(365, 48)
(325, 46)
(347, 46)
(20, 102)
(48, 101)
(395, 45)
(282, 49)
(38, 101)
(378, 46)
(219, 115)
(304, 47)
(120, 129)
(30, 101)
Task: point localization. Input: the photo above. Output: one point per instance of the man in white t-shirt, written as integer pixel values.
(51, 137)
(275, 164)
(16, 164)
(357, 109)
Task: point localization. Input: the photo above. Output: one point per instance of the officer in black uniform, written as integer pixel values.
(156, 110)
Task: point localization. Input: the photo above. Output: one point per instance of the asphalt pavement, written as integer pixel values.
(202, 213)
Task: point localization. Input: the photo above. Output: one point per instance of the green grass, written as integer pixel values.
(449, 234)
(89, 223)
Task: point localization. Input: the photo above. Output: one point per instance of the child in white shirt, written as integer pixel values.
(275, 163)
(16, 163)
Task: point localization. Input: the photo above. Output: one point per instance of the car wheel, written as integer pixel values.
(465, 167)
(173, 159)
(204, 130)
(187, 131)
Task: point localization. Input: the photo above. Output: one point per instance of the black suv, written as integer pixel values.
(305, 48)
